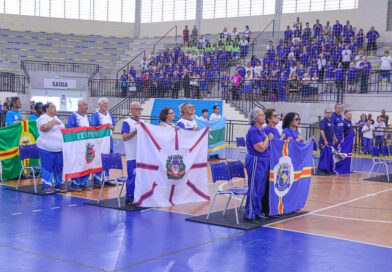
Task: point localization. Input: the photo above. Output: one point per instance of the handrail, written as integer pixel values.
(262, 32)
(51, 65)
(128, 64)
(23, 66)
(164, 35)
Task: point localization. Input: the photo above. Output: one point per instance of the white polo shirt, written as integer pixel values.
(128, 126)
(214, 117)
(187, 124)
(51, 140)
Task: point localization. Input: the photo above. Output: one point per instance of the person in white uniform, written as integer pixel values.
(129, 134)
(79, 118)
(215, 115)
(187, 121)
(49, 145)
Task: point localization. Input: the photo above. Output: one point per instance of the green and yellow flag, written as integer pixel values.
(22, 133)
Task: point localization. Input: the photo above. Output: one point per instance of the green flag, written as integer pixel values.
(22, 133)
(216, 137)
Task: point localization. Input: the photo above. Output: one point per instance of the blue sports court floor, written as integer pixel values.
(60, 233)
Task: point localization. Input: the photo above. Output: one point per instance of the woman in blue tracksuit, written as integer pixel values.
(102, 117)
(290, 127)
(257, 163)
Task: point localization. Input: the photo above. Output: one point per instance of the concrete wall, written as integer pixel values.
(65, 26)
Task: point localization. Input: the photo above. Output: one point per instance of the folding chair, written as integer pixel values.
(241, 146)
(112, 161)
(29, 152)
(378, 162)
(220, 172)
(236, 170)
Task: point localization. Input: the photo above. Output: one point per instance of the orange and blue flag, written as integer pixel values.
(289, 176)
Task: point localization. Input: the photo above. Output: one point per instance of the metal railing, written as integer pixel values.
(10, 82)
(127, 66)
(59, 66)
(261, 34)
(165, 35)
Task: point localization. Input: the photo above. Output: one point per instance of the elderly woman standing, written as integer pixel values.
(257, 164)
(167, 116)
(102, 117)
(50, 149)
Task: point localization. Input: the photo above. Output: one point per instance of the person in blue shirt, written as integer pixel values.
(328, 77)
(338, 123)
(372, 37)
(337, 30)
(272, 120)
(351, 78)
(317, 28)
(290, 127)
(13, 115)
(102, 117)
(39, 110)
(364, 68)
(124, 83)
(288, 35)
(339, 79)
(282, 85)
(348, 128)
(326, 141)
(343, 166)
(360, 39)
(80, 119)
(257, 162)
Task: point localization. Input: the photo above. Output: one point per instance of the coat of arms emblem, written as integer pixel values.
(175, 167)
(90, 153)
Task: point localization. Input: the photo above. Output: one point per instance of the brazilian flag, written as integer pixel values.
(216, 135)
(22, 133)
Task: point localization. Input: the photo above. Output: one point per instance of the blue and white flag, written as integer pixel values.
(216, 135)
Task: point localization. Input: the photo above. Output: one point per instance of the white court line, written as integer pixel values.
(73, 205)
(353, 218)
(329, 236)
(53, 208)
(332, 206)
(17, 213)
(36, 210)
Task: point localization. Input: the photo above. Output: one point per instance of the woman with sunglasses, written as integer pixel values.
(291, 124)
(167, 116)
(257, 164)
(272, 120)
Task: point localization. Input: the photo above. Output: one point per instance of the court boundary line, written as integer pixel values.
(331, 207)
(353, 218)
(329, 236)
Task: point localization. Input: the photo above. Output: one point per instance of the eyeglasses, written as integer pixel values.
(141, 109)
(172, 112)
(328, 112)
(275, 115)
(297, 119)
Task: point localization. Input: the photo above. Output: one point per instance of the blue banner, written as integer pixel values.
(344, 166)
(290, 175)
(216, 136)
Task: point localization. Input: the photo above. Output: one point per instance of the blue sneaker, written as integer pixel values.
(75, 188)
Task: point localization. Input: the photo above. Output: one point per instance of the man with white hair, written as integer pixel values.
(130, 143)
(79, 118)
(102, 117)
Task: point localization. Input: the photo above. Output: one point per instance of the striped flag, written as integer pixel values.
(216, 137)
(82, 149)
(290, 175)
(22, 133)
(171, 166)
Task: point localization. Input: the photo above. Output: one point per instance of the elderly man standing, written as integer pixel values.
(327, 139)
(338, 123)
(129, 134)
(80, 118)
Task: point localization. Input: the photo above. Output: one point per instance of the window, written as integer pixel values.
(11, 6)
(294, 6)
(167, 10)
(234, 8)
(114, 11)
(27, 7)
(57, 8)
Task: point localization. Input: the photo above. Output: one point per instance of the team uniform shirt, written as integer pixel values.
(274, 131)
(379, 129)
(386, 63)
(12, 117)
(347, 128)
(78, 120)
(338, 123)
(163, 124)
(33, 117)
(367, 134)
(328, 128)
(187, 124)
(288, 132)
(203, 119)
(128, 126)
(51, 140)
(99, 119)
(255, 136)
(214, 117)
